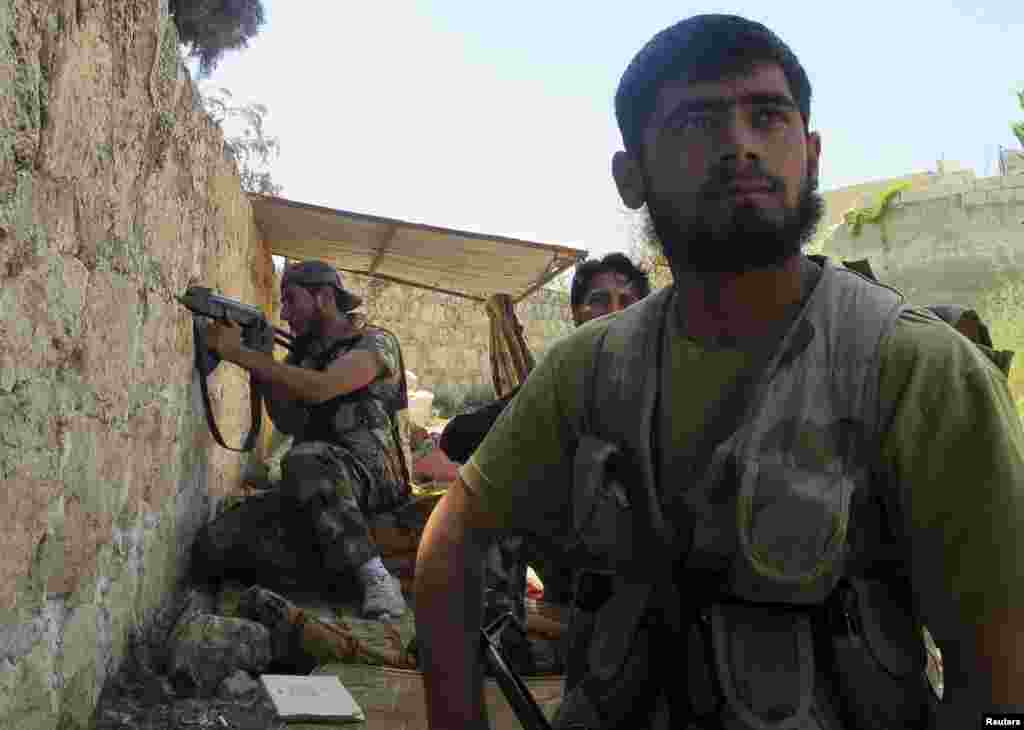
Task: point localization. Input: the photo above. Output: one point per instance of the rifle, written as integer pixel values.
(526, 709)
(257, 334)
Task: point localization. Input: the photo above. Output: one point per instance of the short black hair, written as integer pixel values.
(614, 262)
(701, 48)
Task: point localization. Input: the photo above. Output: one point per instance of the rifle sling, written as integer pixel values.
(255, 399)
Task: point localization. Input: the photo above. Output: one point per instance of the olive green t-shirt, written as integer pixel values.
(954, 449)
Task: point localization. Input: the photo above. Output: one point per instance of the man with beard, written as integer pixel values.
(769, 457)
(337, 393)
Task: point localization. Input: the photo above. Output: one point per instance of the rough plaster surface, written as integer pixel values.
(954, 244)
(114, 196)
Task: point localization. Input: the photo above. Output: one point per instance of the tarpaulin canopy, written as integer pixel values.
(461, 263)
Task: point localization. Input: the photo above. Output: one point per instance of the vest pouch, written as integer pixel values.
(763, 665)
(609, 682)
(601, 515)
(878, 659)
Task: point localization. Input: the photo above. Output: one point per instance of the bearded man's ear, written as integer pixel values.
(629, 180)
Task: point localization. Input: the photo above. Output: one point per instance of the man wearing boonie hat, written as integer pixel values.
(337, 393)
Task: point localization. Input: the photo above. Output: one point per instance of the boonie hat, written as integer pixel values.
(317, 273)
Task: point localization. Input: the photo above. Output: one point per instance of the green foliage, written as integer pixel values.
(646, 252)
(857, 217)
(252, 149)
(212, 27)
(1002, 309)
(451, 400)
(169, 58)
(1018, 127)
(165, 122)
(819, 243)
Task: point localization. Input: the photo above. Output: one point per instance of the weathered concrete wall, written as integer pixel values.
(446, 339)
(955, 244)
(114, 196)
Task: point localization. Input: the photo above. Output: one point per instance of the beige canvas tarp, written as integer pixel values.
(446, 260)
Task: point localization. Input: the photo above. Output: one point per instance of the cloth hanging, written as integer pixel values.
(511, 360)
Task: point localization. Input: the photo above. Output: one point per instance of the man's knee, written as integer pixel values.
(306, 474)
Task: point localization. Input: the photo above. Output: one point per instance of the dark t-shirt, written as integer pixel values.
(463, 434)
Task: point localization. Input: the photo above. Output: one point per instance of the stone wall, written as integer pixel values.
(959, 243)
(446, 339)
(114, 196)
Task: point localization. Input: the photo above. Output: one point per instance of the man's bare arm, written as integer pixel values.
(981, 666)
(345, 375)
(449, 604)
(1000, 639)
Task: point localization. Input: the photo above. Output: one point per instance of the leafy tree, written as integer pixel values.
(212, 27)
(1018, 127)
(252, 149)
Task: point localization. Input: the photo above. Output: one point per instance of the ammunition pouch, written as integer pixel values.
(854, 662)
(876, 658)
(610, 681)
(616, 623)
(751, 667)
(330, 421)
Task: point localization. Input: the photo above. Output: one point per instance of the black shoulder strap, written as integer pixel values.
(622, 387)
(255, 399)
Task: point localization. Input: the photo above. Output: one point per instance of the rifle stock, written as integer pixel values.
(525, 707)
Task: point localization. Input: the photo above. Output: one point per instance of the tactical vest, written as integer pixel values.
(322, 422)
(758, 582)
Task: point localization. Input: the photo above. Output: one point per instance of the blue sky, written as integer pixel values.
(498, 117)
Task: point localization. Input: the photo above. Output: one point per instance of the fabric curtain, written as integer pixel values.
(511, 360)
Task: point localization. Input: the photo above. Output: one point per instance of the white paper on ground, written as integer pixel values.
(312, 698)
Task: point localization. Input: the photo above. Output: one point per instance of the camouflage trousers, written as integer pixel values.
(313, 527)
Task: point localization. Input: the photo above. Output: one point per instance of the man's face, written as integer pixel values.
(299, 309)
(730, 172)
(609, 292)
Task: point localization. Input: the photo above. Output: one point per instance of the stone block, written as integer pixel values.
(1001, 196)
(1012, 181)
(975, 198)
(206, 649)
(908, 197)
(989, 183)
(79, 664)
(27, 697)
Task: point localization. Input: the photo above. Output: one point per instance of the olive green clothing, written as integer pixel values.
(954, 448)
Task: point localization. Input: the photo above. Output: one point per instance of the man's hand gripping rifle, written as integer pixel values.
(257, 334)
